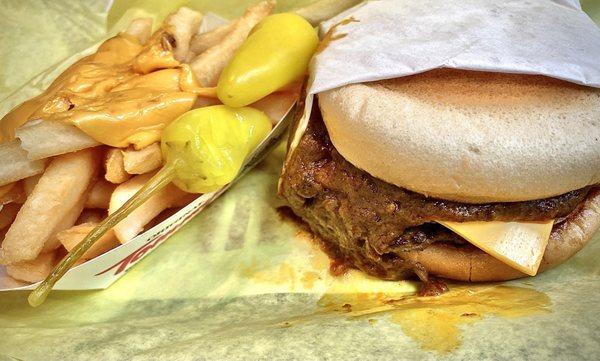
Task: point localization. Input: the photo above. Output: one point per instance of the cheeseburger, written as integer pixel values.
(465, 175)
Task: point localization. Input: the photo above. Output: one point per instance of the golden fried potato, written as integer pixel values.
(73, 236)
(114, 167)
(99, 195)
(142, 161)
(135, 222)
(35, 270)
(62, 186)
(208, 65)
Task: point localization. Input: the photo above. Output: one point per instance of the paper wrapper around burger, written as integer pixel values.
(551, 38)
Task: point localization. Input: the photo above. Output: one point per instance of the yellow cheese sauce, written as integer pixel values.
(124, 94)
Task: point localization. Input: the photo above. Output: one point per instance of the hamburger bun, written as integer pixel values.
(472, 264)
(471, 137)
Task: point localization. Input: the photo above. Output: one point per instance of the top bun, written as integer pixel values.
(473, 137)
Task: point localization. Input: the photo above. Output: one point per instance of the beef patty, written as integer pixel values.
(368, 223)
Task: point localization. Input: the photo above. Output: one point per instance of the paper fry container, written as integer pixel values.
(100, 272)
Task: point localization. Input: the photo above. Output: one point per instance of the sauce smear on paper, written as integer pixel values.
(435, 322)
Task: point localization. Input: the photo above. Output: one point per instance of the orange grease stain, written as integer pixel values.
(435, 322)
(282, 274)
(308, 279)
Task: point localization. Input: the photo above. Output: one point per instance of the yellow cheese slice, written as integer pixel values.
(520, 245)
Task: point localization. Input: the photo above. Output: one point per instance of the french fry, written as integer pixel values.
(73, 215)
(5, 189)
(161, 217)
(202, 42)
(205, 102)
(29, 184)
(34, 270)
(175, 207)
(8, 212)
(135, 222)
(91, 216)
(142, 161)
(185, 200)
(140, 28)
(185, 22)
(14, 164)
(293, 87)
(99, 195)
(9, 282)
(276, 105)
(73, 236)
(44, 139)
(66, 222)
(114, 167)
(14, 194)
(58, 191)
(208, 65)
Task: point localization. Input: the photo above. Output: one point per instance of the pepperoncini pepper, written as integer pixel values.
(275, 54)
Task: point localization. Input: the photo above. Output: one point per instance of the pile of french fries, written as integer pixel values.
(57, 183)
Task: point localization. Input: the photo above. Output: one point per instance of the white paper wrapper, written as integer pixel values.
(395, 38)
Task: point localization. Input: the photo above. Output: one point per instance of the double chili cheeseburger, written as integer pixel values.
(470, 176)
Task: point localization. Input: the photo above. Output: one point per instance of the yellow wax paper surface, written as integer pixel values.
(240, 282)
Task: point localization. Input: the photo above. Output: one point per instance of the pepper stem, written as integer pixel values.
(156, 183)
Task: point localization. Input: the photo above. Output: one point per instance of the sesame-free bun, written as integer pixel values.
(472, 137)
(472, 264)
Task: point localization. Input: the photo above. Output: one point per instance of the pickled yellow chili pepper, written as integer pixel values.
(212, 143)
(203, 151)
(275, 54)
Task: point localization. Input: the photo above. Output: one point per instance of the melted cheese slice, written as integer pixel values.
(520, 245)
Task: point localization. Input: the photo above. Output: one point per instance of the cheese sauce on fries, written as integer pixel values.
(124, 94)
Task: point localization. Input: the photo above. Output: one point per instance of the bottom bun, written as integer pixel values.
(472, 264)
